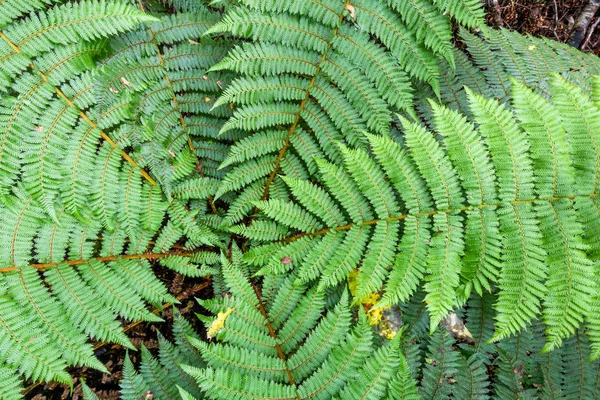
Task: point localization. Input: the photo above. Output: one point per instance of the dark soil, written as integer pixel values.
(550, 18)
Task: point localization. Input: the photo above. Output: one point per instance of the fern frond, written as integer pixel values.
(471, 380)
(428, 23)
(500, 53)
(173, 91)
(513, 356)
(69, 23)
(403, 387)
(475, 209)
(161, 375)
(334, 82)
(378, 371)
(140, 135)
(29, 345)
(469, 13)
(80, 211)
(578, 383)
(283, 341)
(442, 365)
(10, 385)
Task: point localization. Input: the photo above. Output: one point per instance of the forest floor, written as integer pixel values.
(550, 18)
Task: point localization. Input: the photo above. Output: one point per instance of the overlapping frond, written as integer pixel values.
(315, 74)
(75, 284)
(240, 360)
(285, 341)
(165, 65)
(161, 375)
(500, 54)
(492, 56)
(140, 134)
(479, 206)
(81, 214)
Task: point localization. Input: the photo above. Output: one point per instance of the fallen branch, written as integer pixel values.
(582, 23)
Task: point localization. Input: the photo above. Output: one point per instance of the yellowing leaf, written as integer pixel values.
(352, 282)
(370, 299)
(374, 316)
(218, 323)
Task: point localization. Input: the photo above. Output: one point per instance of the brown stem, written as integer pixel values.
(273, 334)
(145, 256)
(429, 213)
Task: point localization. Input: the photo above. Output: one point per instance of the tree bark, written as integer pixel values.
(582, 23)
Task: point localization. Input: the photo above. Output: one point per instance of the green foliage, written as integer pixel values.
(348, 70)
(492, 206)
(81, 214)
(493, 55)
(159, 375)
(377, 178)
(268, 335)
(287, 341)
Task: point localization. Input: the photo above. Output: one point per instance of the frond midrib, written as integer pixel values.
(401, 217)
(301, 106)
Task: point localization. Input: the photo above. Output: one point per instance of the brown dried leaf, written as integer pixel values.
(350, 9)
(126, 82)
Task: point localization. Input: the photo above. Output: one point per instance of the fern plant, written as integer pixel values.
(88, 179)
(493, 55)
(284, 341)
(482, 289)
(242, 359)
(140, 134)
(314, 74)
(507, 205)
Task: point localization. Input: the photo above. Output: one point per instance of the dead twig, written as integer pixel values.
(590, 32)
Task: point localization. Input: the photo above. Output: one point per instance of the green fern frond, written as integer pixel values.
(428, 23)
(165, 65)
(377, 372)
(513, 356)
(441, 367)
(289, 344)
(161, 375)
(580, 380)
(88, 394)
(335, 81)
(13, 10)
(500, 54)
(166, 133)
(472, 381)
(10, 385)
(68, 23)
(469, 13)
(483, 210)
(403, 387)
